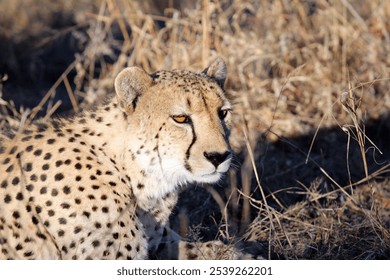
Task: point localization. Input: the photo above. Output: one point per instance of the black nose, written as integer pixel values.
(216, 158)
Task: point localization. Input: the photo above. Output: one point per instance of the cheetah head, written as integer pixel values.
(178, 122)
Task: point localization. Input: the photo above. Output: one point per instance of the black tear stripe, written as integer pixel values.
(188, 152)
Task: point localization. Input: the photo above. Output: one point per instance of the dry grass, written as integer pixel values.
(309, 80)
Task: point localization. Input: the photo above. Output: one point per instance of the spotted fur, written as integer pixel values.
(102, 184)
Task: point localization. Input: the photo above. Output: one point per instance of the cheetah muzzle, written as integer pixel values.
(102, 184)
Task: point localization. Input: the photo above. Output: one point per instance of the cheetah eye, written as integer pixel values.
(223, 113)
(181, 119)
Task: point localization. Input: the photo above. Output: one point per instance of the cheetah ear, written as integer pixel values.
(130, 84)
(217, 71)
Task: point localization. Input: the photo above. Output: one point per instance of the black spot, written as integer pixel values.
(16, 214)
(64, 249)
(58, 177)
(38, 136)
(26, 138)
(4, 184)
(51, 213)
(77, 200)
(30, 187)
(77, 230)
(43, 177)
(61, 233)
(50, 141)
(60, 150)
(19, 196)
(105, 209)
(37, 152)
(13, 150)
(98, 225)
(67, 162)
(81, 189)
(41, 127)
(103, 197)
(92, 177)
(86, 214)
(28, 254)
(96, 243)
(45, 166)
(91, 197)
(35, 220)
(7, 198)
(140, 186)
(119, 255)
(78, 178)
(62, 221)
(95, 187)
(112, 184)
(34, 178)
(76, 150)
(47, 156)
(29, 148)
(115, 235)
(192, 256)
(19, 247)
(10, 168)
(15, 181)
(65, 205)
(66, 190)
(43, 190)
(27, 167)
(78, 166)
(72, 139)
(38, 209)
(54, 192)
(41, 235)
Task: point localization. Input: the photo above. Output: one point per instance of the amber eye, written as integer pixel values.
(223, 113)
(181, 119)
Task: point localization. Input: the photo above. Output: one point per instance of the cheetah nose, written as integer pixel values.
(216, 158)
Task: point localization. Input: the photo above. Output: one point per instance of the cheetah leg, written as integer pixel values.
(172, 247)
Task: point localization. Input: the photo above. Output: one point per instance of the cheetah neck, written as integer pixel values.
(108, 132)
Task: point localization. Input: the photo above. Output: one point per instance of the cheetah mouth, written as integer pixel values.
(212, 177)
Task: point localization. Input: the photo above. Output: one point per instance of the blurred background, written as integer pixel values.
(310, 85)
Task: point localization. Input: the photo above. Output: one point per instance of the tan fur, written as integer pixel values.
(102, 184)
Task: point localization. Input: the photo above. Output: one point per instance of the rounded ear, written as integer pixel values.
(130, 84)
(217, 71)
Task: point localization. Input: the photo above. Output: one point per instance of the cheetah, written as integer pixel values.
(102, 184)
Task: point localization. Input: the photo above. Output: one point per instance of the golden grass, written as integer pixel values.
(295, 69)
